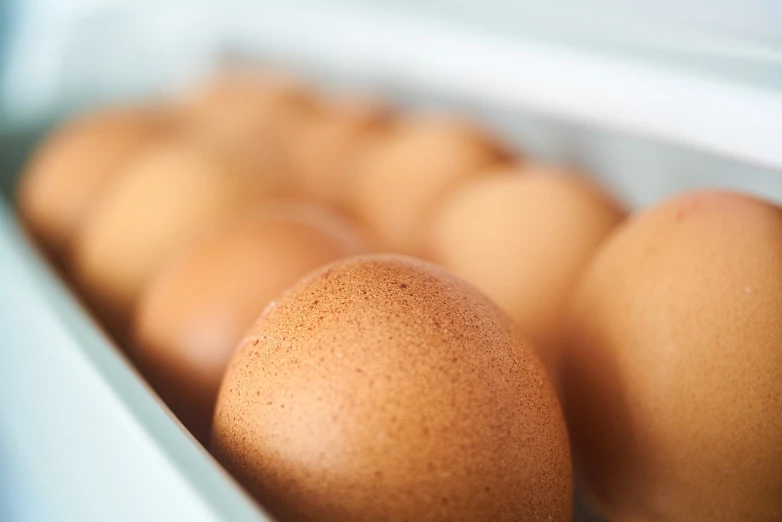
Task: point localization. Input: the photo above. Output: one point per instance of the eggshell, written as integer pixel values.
(162, 200)
(71, 169)
(198, 306)
(406, 171)
(234, 102)
(523, 235)
(330, 144)
(253, 116)
(236, 87)
(384, 388)
(672, 367)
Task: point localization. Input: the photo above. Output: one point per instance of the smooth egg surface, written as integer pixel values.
(406, 172)
(672, 367)
(163, 199)
(76, 163)
(523, 235)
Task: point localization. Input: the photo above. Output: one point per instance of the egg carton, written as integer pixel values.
(82, 437)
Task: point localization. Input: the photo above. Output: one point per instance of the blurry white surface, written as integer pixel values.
(67, 53)
(733, 120)
(745, 30)
(81, 438)
(118, 49)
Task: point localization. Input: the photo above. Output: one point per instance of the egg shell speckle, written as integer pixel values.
(384, 388)
(197, 307)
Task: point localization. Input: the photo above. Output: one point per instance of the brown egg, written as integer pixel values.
(407, 171)
(384, 388)
(672, 365)
(198, 306)
(69, 172)
(254, 117)
(236, 101)
(330, 144)
(162, 200)
(252, 88)
(523, 235)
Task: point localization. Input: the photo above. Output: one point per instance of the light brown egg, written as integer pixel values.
(71, 169)
(330, 144)
(234, 102)
(407, 171)
(522, 235)
(198, 306)
(384, 388)
(672, 367)
(254, 88)
(255, 117)
(162, 200)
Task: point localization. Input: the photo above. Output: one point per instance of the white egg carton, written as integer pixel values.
(82, 438)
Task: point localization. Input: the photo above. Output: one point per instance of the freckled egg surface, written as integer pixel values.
(384, 388)
(403, 175)
(197, 307)
(672, 368)
(162, 200)
(76, 163)
(522, 235)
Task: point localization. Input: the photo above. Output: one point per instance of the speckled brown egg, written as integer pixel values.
(672, 367)
(73, 166)
(197, 307)
(329, 145)
(406, 172)
(385, 388)
(523, 235)
(162, 200)
(253, 116)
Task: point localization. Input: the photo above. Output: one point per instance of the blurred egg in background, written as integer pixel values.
(330, 145)
(523, 234)
(671, 365)
(197, 307)
(408, 169)
(161, 201)
(71, 170)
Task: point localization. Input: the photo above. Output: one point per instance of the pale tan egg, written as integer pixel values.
(256, 117)
(196, 309)
(329, 146)
(409, 169)
(71, 169)
(234, 87)
(162, 200)
(523, 235)
(385, 388)
(231, 103)
(672, 367)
